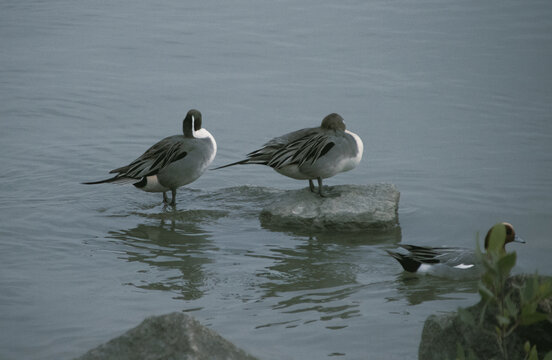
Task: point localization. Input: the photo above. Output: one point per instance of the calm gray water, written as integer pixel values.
(453, 100)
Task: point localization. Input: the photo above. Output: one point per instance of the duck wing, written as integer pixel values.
(156, 158)
(296, 148)
(430, 255)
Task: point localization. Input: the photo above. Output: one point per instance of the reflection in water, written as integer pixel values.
(175, 243)
(417, 289)
(311, 265)
(319, 276)
(376, 236)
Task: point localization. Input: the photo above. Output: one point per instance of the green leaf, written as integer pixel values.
(496, 239)
(527, 347)
(487, 278)
(485, 293)
(533, 354)
(483, 311)
(503, 320)
(466, 317)
(460, 355)
(512, 308)
(548, 356)
(528, 308)
(528, 291)
(506, 263)
(478, 253)
(531, 318)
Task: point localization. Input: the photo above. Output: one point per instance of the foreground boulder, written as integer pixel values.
(173, 336)
(442, 333)
(345, 208)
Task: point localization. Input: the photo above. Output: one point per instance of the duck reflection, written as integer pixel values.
(418, 289)
(175, 243)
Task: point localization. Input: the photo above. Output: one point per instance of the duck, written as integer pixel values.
(314, 153)
(446, 260)
(172, 162)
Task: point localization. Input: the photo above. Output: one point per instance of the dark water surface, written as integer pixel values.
(452, 99)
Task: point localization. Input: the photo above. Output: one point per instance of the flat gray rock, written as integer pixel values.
(345, 208)
(174, 336)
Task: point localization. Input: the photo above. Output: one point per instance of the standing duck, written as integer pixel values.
(311, 153)
(172, 162)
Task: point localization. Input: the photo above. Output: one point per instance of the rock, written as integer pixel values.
(345, 208)
(172, 336)
(442, 333)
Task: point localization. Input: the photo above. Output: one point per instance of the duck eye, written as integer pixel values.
(508, 231)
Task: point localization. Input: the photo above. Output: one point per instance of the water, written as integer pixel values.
(452, 99)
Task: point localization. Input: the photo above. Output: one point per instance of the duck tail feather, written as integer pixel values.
(241, 162)
(115, 179)
(408, 264)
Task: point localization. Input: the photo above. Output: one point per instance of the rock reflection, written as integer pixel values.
(376, 236)
(175, 243)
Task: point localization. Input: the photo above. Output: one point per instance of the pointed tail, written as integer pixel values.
(408, 263)
(115, 179)
(241, 162)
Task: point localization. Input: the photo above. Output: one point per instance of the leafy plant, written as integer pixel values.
(508, 313)
(531, 352)
(461, 353)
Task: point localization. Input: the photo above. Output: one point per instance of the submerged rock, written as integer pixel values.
(345, 208)
(172, 336)
(442, 333)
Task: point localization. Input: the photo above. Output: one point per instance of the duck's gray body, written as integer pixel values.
(171, 163)
(312, 153)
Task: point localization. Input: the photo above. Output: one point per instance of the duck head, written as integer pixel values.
(333, 122)
(510, 234)
(191, 123)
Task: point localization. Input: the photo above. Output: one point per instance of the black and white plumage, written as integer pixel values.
(311, 153)
(445, 261)
(172, 162)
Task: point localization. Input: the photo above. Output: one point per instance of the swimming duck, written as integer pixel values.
(172, 162)
(441, 260)
(311, 153)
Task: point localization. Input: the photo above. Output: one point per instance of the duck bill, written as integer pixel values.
(519, 240)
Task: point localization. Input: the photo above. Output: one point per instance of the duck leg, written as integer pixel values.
(311, 185)
(320, 187)
(165, 200)
(173, 201)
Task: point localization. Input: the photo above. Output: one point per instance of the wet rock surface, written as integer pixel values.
(344, 208)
